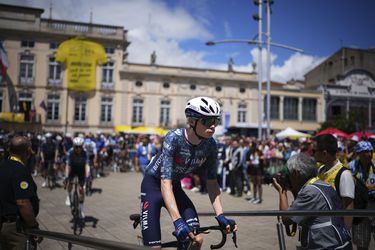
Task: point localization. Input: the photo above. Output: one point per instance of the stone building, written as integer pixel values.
(347, 82)
(128, 94)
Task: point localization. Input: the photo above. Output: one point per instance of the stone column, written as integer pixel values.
(300, 101)
(281, 108)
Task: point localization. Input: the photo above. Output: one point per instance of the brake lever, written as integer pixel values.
(234, 238)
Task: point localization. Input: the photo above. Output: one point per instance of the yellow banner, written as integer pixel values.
(81, 57)
(12, 117)
(140, 130)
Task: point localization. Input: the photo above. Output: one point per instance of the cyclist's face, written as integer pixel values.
(78, 148)
(206, 127)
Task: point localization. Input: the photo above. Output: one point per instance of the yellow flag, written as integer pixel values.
(81, 57)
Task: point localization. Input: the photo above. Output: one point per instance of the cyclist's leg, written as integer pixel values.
(151, 203)
(81, 180)
(188, 213)
(69, 186)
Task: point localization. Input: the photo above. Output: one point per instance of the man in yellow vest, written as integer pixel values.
(325, 152)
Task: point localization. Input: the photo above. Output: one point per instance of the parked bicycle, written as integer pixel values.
(186, 245)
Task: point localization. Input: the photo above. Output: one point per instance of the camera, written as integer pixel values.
(281, 178)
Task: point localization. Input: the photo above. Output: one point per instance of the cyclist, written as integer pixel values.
(183, 151)
(90, 147)
(77, 165)
(48, 154)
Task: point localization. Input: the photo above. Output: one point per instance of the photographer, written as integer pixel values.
(310, 193)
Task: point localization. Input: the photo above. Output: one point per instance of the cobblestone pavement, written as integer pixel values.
(107, 215)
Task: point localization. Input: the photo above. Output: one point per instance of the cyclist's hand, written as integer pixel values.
(230, 225)
(182, 229)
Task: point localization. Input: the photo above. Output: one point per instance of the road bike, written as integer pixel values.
(186, 245)
(75, 210)
(51, 178)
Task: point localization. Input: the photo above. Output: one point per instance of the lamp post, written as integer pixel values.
(260, 43)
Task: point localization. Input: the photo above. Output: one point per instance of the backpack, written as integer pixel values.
(360, 193)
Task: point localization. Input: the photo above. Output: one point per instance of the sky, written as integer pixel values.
(177, 30)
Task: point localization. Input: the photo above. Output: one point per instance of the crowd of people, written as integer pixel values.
(321, 172)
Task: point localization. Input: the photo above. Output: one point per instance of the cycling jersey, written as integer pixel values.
(175, 160)
(178, 157)
(77, 163)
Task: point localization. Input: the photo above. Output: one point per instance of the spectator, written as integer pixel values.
(312, 194)
(145, 151)
(19, 203)
(236, 176)
(256, 172)
(325, 147)
(363, 167)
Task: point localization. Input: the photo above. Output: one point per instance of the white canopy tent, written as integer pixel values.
(291, 134)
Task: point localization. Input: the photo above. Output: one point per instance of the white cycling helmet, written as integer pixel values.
(78, 141)
(201, 107)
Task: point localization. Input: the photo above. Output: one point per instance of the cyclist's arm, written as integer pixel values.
(87, 166)
(67, 167)
(212, 185)
(42, 154)
(214, 194)
(169, 199)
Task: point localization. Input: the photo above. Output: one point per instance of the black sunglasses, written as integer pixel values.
(207, 122)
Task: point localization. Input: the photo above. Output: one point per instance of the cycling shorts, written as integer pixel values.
(151, 204)
(80, 172)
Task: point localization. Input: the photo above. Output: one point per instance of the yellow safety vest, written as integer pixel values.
(331, 175)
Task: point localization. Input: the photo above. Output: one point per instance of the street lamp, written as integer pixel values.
(260, 43)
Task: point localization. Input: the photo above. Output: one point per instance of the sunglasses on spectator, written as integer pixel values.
(207, 122)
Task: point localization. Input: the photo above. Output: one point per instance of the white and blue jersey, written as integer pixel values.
(175, 160)
(178, 157)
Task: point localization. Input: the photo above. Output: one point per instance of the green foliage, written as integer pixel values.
(347, 125)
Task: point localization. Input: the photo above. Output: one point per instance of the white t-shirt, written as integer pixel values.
(346, 182)
(347, 185)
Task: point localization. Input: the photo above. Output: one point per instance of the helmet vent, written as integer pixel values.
(205, 101)
(204, 109)
(213, 111)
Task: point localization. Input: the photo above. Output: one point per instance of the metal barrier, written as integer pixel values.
(85, 241)
(350, 213)
(286, 213)
(108, 244)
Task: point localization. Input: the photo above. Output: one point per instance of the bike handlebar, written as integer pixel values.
(223, 235)
(205, 230)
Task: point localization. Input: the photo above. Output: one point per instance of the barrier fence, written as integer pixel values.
(115, 245)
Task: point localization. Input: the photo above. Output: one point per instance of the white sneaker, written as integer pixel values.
(195, 189)
(252, 200)
(228, 190)
(257, 201)
(67, 201)
(248, 193)
(81, 214)
(98, 176)
(44, 184)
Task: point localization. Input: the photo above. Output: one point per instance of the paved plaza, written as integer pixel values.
(107, 215)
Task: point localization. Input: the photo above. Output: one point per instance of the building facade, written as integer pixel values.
(129, 94)
(347, 82)
(36, 84)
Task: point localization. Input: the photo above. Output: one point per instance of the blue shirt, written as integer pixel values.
(178, 157)
(145, 153)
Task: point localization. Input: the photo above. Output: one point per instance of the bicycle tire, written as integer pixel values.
(75, 212)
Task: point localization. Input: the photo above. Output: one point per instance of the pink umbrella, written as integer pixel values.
(333, 131)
